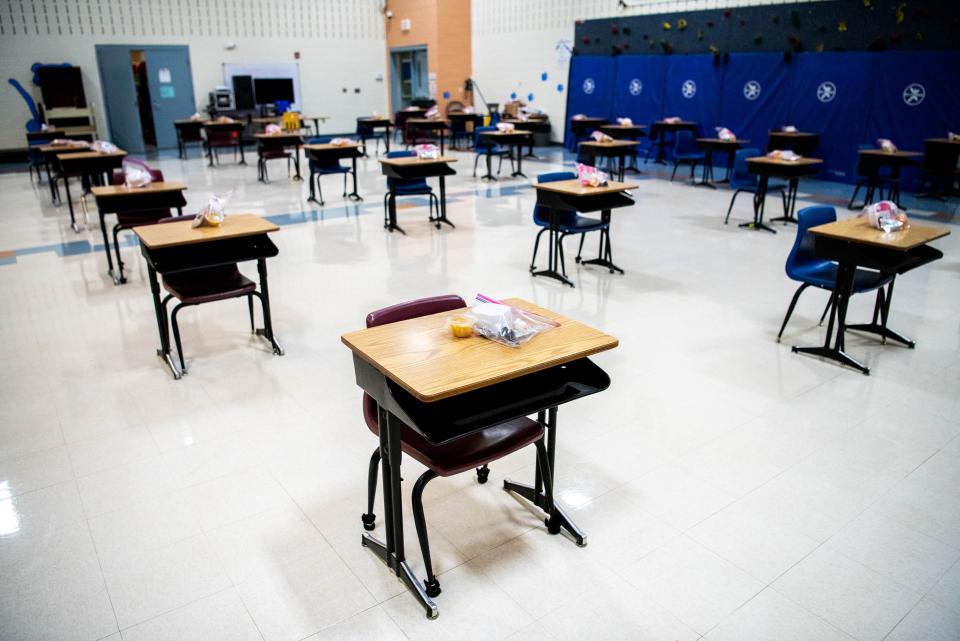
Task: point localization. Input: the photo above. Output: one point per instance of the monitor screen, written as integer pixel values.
(270, 90)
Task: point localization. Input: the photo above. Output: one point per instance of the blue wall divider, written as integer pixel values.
(849, 98)
(638, 88)
(590, 90)
(754, 98)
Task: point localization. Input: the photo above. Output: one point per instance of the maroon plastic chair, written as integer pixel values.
(471, 451)
(268, 151)
(220, 140)
(205, 285)
(131, 219)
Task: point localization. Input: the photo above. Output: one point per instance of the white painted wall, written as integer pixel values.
(515, 42)
(341, 44)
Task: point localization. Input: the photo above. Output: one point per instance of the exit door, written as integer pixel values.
(170, 88)
(408, 76)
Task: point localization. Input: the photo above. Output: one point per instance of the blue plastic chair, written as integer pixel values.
(808, 269)
(741, 179)
(483, 146)
(568, 222)
(325, 167)
(409, 187)
(686, 152)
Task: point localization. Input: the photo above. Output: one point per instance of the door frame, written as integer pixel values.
(395, 93)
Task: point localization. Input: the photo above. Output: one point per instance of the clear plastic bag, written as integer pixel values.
(591, 176)
(505, 126)
(505, 324)
(427, 152)
(104, 147)
(342, 142)
(886, 215)
(784, 154)
(725, 134)
(135, 176)
(432, 112)
(214, 212)
(625, 122)
(599, 136)
(887, 145)
(273, 130)
(788, 129)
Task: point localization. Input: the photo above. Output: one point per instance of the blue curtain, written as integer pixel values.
(638, 92)
(692, 90)
(829, 97)
(755, 96)
(589, 90)
(914, 96)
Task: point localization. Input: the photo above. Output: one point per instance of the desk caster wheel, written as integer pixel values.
(433, 588)
(369, 521)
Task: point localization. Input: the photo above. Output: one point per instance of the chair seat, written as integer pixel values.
(208, 284)
(412, 189)
(569, 223)
(464, 453)
(824, 274)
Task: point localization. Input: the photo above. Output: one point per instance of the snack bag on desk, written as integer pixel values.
(432, 112)
(784, 154)
(196, 117)
(103, 147)
(579, 116)
(225, 120)
(342, 142)
(952, 137)
(625, 122)
(725, 134)
(427, 152)
(599, 136)
(213, 213)
(886, 215)
(136, 175)
(591, 176)
(887, 145)
(505, 126)
(501, 323)
(672, 120)
(788, 129)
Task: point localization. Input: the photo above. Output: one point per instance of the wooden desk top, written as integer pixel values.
(792, 134)
(326, 145)
(618, 126)
(718, 141)
(266, 120)
(859, 229)
(48, 149)
(945, 141)
(587, 119)
(426, 121)
(299, 133)
(423, 357)
(212, 123)
(609, 143)
(73, 131)
(188, 121)
(515, 132)
(383, 119)
(892, 154)
(85, 155)
(413, 160)
(123, 190)
(802, 162)
(302, 117)
(573, 187)
(176, 234)
(682, 123)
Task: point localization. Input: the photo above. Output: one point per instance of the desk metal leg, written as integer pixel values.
(844, 288)
(557, 518)
(881, 313)
(706, 176)
(66, 189)
(605, 255)
(243, 161)
(661, 158)
(296, 162)
(118, 278)
(519, 171)
(442, 218)
(554, 253)
(489, 175)
(791, 203)
(392, 212)
(759, 202)
(209, 154)
(392, 552)
(355, 195)
(267, 331)
(312, 198)
(164, 351)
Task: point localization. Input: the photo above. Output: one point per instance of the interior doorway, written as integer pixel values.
(409, 77)
(142, 86)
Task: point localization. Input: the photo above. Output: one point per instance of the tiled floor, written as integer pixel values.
(731, 490)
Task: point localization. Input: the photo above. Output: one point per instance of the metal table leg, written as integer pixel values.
(164, 351)
(442, 218)
(553, 253)
(791, 203)
(354, 195)
(267, 331)
(759, 202)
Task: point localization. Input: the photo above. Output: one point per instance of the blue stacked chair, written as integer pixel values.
(483, 146)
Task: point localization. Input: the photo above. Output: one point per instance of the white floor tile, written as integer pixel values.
(219, 617)
(772, 616)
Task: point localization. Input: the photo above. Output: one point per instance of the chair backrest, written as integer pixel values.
(740, 176)
(414, 309)
(540, 214)
(409, 183)
(119, 176)
(684, 142)
(802, 253)
(481, 144)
